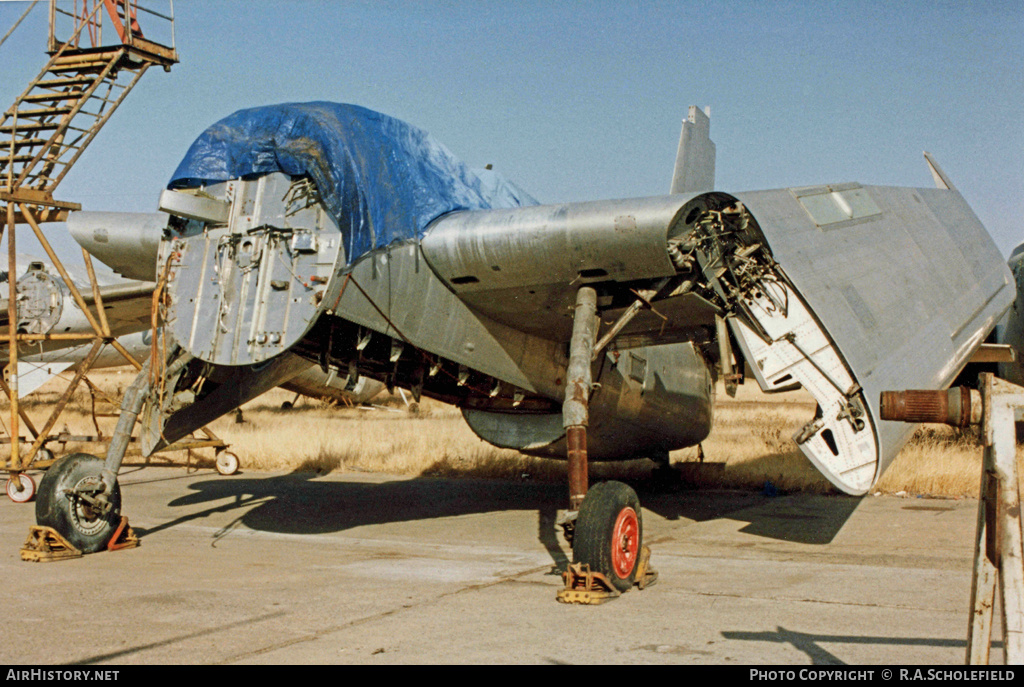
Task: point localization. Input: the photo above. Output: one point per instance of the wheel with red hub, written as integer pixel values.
(609, 533)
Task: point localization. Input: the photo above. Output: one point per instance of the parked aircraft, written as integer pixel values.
(46, 306)
(1010, 330)
(336, 235)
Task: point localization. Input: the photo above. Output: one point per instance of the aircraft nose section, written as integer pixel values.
(251, 265)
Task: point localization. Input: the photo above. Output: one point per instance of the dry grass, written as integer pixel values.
(749, 446)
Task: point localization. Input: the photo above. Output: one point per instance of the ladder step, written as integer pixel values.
(70, 81)
(82, 67)
(46, 97)
(76, 57)
(21, 143)
(16, 159)
(43, 112)
(33, 126)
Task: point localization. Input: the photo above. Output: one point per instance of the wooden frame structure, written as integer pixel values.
(998, 544)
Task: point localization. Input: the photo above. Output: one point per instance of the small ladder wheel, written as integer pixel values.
(227, 463)
(28, 488)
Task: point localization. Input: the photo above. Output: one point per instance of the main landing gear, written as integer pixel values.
(72, 502)
(609, 533)
(604, 524)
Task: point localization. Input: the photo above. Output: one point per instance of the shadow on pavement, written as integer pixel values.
(300, 503)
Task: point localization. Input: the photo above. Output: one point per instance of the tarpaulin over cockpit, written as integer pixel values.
(383, 180)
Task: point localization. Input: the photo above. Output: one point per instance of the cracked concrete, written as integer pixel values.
(360, 568)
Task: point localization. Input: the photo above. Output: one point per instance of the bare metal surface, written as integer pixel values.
(578, 377)
(448, 327)
(128, 242)
(894, 332)
(843, 289)
(245, 290)
(695, 159)
(576, 404)
(515, 265)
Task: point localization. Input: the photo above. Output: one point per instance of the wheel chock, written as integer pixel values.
(645, 574)
(584, 586)
(124, 537)
(45, 545)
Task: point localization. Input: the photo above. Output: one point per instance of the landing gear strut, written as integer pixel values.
(607, 531)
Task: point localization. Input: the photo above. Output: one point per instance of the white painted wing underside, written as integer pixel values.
(800, 351)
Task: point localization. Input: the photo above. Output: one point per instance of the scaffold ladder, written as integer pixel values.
(42, 135)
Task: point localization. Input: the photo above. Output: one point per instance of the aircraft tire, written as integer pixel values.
(58, 507)
(609, 533)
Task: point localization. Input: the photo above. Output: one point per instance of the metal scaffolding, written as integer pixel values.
(42, 135)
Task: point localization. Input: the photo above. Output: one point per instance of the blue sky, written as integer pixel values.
(580, 101)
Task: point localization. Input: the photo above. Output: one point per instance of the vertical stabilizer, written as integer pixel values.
(941, 180)
(695, 161)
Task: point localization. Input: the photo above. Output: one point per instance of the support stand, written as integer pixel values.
(998, 549)
(997, 552)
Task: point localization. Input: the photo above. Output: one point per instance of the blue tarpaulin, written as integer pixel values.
(383, 180)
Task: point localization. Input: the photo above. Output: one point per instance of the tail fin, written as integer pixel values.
(941, 180)
(695, 161)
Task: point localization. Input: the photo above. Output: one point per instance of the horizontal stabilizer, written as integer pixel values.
(31, 376)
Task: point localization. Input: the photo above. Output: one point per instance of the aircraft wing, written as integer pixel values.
(127, 306)
(46, 306)
(886, 288)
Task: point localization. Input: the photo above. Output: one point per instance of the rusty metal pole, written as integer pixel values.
(575, 408)
(957, 407)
